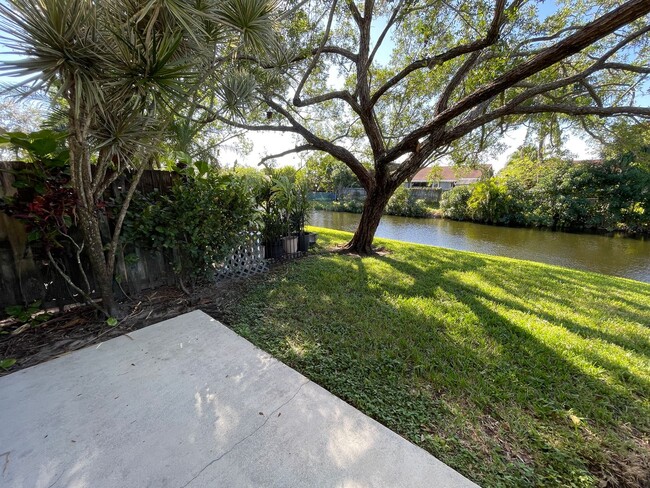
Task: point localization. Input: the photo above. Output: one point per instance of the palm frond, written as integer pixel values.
(253, 19)
(236, 90)
(58, 40)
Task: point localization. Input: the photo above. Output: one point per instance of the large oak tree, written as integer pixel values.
(387, 87)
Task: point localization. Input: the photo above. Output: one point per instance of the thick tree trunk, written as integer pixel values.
(373, 208)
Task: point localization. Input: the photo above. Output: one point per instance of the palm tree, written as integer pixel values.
(125, 69)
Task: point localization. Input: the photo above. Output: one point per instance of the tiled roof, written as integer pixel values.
(448, 173)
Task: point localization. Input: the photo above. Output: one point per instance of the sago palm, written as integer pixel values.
(124, 69)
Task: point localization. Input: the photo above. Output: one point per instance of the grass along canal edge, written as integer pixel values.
(512, 372)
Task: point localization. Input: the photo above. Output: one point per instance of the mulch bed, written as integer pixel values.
(81, 326)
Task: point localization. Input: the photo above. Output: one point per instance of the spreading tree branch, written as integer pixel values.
(341, 153)
(491, 38)
(296, 98)
(297, 149)
(592, 32)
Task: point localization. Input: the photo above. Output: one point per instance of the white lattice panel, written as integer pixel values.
(246, 260)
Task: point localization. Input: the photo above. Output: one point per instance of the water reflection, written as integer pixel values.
(617, 255)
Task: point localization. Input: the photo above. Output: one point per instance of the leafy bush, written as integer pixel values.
(490, 202)
(322, 204)
(612, 195)
(454, 203)
(351, 205)
(290, 196)
(44, 200)
(271, 216)
(283, 198)
(198, 223)
(403, 204)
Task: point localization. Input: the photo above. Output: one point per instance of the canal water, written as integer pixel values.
(613, 255)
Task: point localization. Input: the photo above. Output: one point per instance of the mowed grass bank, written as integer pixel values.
(514, 373)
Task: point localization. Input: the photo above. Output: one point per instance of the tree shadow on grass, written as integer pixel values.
(523, 298)
(429, 354)
(526, 293)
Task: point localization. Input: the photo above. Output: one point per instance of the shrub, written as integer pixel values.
(352, 206)
(454, 203)
(199, 222)
(403, 204)
(490, 202)
(43, 200)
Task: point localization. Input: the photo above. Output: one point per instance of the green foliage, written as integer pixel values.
(272, 224)
(45, 148)
(351, 205)
(403, 204)
(454, 202)
(126, 71)
(29, 314)
(608, 196)
(629, 139)
(489, 202)
(7, 363)
(198, 223)
(283, 197)
(324, 173)
(517, 374)
(44, 199)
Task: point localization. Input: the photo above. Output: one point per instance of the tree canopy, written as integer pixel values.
(399, 84)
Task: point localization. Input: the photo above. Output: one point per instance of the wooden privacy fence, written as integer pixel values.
(28, 276)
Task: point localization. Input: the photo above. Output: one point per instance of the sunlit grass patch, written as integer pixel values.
(515, 373)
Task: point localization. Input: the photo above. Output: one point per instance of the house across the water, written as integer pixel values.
(447, 177)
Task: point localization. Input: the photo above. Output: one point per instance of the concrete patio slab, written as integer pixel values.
(189, 403)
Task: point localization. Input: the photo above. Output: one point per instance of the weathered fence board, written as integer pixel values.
(27, 275)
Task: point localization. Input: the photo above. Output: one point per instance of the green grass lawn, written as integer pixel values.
(512, 372)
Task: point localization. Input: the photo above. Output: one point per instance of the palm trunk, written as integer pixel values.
(103, 277)
(88, 213)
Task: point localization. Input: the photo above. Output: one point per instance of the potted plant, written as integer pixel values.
(272, 235)
(272, 226)
(285, 196)
(299, 215)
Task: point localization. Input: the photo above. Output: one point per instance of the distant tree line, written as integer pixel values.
(612, 194)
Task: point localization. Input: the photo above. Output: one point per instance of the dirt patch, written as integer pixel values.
(81, 326)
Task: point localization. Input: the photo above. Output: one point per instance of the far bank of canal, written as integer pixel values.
(613, 255)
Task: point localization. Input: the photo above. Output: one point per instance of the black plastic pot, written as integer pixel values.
(303, 241)
(274, 249)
